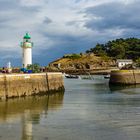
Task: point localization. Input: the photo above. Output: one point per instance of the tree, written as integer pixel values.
(120, 48)
(138, 62)
(34, 67)
(117, 51)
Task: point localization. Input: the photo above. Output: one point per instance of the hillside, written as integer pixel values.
(73, 62)
(100, 57)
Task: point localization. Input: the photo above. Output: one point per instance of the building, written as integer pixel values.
(9, 68)
(123, 62)
(26, 46)
(57, 65)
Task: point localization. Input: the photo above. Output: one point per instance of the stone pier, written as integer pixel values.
(125, 77)
(18, 85)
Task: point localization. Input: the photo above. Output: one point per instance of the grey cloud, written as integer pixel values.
(12, 11)
(113, 15)
(47, 20)
(16, 18)
(77, 1)
(63, 38)
(8, 4)
(70, 23)
(74, 22)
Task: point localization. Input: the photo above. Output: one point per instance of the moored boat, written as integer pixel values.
(107, 76)
(72, 76)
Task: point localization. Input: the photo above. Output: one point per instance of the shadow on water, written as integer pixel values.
(126, 89)
(102, 93)
(29, 110)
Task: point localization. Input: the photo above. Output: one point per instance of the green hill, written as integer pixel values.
(102, 56)
(82, 62)
(118, 49)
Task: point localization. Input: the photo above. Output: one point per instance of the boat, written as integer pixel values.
(86, 77)
(72, 76)
(107, 76)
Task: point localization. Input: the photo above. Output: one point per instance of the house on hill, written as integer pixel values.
(123, 62)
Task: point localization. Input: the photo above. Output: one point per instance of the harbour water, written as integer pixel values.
(88, 110)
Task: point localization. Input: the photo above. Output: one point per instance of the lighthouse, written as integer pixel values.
(26, 46)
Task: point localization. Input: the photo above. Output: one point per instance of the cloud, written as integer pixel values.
(66, 26)
(115, 15)
(32, 3)
(47, 20)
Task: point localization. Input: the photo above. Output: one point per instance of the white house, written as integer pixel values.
(123, 62)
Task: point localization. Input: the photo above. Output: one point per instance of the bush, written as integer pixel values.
(34, 67)
(138, 62)
(72, 56)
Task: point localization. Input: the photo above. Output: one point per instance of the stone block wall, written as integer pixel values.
(17, 85)
(137, 76)
(55, 81)
(3, 86)
(126, 77)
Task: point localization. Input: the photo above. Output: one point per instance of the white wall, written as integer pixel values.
(27, 56)
(122, 64)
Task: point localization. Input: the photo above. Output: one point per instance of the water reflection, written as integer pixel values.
(126, 89)
(27, 127)
(105, 112)
(87, 112)
(28, 111)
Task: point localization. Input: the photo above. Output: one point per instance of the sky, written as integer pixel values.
(59, 27)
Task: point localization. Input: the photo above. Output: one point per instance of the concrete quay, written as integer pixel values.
(18, 85)
(125, 77)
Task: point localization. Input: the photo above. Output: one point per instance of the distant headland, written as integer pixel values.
(100, 59)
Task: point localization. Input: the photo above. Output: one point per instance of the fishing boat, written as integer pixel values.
(72, 76)
(107, 76)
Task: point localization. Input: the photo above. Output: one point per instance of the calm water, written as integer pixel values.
(88, 110)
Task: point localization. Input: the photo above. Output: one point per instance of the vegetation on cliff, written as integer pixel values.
(35, 68)
(82, 61)
(119, 49)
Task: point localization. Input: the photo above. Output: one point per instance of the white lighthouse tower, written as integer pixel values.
(26, 50)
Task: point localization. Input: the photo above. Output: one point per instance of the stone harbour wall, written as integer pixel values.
(17, 85)
(125, 77)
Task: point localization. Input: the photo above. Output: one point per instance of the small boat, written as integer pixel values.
(107, 76)
(86, 77)
(72, 76)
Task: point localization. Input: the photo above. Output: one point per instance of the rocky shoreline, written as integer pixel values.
(99, 71)
(83, 64)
